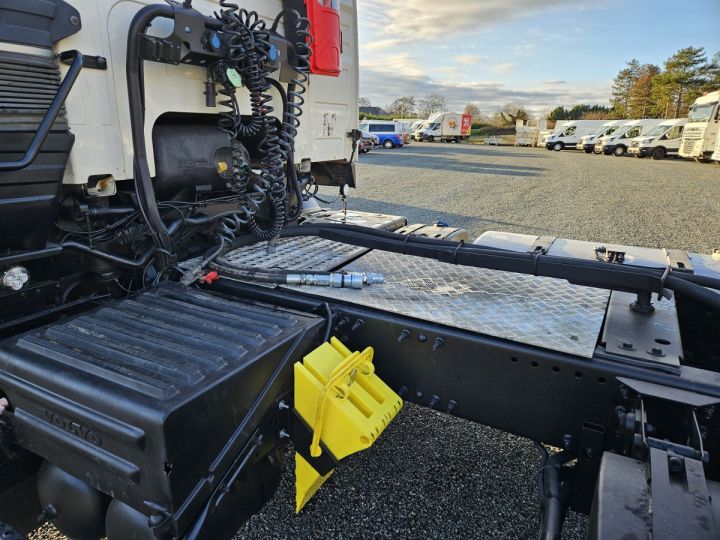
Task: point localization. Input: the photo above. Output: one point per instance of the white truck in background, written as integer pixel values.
(701, 131)
(661, 141)
(618, 143)
(716, 155)
(408, 127)
(587, 142)
(445, 127)
(570, 134)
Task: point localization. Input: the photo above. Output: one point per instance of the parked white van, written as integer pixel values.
(618, 143)
(661, 141)
(587, 142)
(543, 134)
(571, 133)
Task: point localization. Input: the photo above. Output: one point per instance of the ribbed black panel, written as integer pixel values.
(28, 197)
(162, 342)
(28, 85)
(161, 380)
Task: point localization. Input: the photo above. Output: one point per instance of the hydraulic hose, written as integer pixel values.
(554, 497)
(117, 260)
(347, 280)
(144, 189)
(589, 273)
(696, 291)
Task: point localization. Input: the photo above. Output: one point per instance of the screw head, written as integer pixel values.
(74, 20)
(675, 464)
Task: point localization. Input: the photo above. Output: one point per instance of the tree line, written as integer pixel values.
(638, 91)
(409, 107)
(650, 91)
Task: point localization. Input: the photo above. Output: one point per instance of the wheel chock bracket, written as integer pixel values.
(341, 407)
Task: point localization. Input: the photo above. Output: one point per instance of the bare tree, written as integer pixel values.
(402, 107)
(473, 110)
(432, 103)
(512, 112)
(364, 102)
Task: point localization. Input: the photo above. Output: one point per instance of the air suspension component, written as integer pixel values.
(345, 406)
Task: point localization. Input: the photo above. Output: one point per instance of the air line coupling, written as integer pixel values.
(349, 280)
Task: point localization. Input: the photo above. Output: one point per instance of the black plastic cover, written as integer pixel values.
(37, 23)
(139, 397)
(187, 157)
(28, 197)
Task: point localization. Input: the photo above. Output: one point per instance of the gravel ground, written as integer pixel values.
(671, 203)
(435, 476)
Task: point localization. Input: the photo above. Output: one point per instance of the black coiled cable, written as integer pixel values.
(249, 47)
(295, 100)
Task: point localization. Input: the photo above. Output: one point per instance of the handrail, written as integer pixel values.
(49, 119)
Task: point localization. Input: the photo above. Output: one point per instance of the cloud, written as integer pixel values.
(429, 19)
(399, 53)
(383, 44)
(382, 85)
(467, 59)
(401, 64)
(505, 67)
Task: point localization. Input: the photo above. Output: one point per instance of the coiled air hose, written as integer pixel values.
(249, 46)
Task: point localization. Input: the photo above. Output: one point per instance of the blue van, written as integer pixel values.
(387, 131)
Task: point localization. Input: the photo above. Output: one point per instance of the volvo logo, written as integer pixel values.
(73, 427)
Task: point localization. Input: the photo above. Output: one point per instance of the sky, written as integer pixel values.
(536, 53)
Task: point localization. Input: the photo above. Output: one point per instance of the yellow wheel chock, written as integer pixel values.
(347, 406)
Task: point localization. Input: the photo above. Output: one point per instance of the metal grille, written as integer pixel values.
(544, 312)
(301, 253)
(28, 85)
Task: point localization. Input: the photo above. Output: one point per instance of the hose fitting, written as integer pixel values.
(350, 280)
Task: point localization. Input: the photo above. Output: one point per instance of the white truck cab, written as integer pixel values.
(570, 134)
(587, 142)
(618, 143)
(701, 131)
(661, 141)
(716, 154)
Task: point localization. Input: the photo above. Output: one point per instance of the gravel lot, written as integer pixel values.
(671, 203)
(435, 476)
